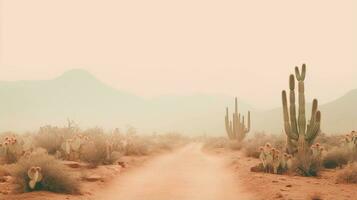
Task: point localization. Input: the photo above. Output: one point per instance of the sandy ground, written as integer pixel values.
(288, 187)
(184, 174)
(106, 173)
(187, 174)
(192, 174)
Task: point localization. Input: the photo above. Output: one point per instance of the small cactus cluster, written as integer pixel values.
(236, 128)
(11, 149)
(350, 141)
(300, 135)
(317, 151)
(35, 176)
(273, 160)
(71, 148)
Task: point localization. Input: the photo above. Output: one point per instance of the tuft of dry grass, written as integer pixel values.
(56, 177)
(348, 174)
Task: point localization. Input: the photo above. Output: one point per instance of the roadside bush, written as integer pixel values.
(336, 157)
(348, 174)
(136, 147)
(51, 138)
(55, 176)
(96, 151)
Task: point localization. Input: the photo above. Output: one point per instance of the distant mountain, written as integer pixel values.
(27, 105)
(78, 95)
(339, 116)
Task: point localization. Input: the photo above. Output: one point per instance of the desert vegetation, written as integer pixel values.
(43, 160)
(306, 151)
(302, 150)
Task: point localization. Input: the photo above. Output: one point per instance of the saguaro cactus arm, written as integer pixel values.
(293, 123)
(228, 125)
(298, 132)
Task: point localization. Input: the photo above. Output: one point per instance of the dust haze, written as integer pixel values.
(180, 100)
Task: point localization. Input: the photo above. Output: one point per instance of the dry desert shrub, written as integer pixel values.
(348, 174)
(136, 146)
(51, 138)
(55, 176)
(96, 151)
(251, 146)
(306, 164)
(336, 157)
(329, 141)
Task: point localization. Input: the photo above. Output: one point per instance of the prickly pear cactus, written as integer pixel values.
(274, 161)
(11, 149)
(35, 176)
(350, 141)
(317, 151)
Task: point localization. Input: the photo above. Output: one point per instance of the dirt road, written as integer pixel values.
(187, 174)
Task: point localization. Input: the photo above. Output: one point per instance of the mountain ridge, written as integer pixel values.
(79, 95)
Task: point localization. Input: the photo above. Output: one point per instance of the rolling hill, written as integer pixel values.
(27, 105)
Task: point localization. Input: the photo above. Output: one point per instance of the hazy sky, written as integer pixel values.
(244, 48)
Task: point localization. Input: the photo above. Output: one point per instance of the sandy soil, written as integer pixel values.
(192, 174)
(105, 175)
(187, 174)
(284, 187)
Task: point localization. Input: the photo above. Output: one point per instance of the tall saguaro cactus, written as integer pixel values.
(300, 135)
(236, 128)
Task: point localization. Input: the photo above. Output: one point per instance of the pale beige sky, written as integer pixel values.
(244, 48)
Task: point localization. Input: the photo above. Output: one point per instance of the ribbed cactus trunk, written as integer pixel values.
(300, 136)
(236, 129)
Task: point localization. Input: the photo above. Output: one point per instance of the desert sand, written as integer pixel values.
(186, 174)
